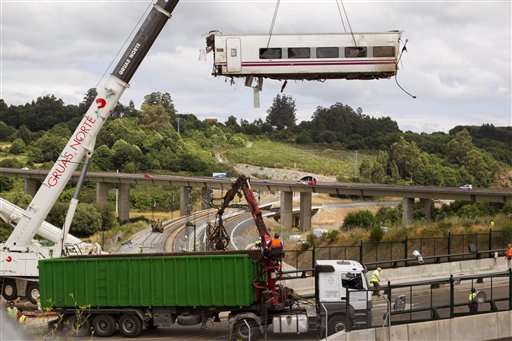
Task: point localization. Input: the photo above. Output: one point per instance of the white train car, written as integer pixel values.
(306, 56)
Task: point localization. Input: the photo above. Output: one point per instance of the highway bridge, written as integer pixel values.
(425, 194)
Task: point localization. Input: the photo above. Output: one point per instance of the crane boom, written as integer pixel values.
(84, 137)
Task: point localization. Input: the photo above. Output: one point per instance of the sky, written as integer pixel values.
(457, 64)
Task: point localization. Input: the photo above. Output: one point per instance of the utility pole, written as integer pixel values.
(355, 167)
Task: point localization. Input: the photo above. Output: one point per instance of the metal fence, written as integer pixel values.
(453, 247)
(438, 299)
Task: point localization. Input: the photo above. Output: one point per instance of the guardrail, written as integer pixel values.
(392, 254)
(427, 300)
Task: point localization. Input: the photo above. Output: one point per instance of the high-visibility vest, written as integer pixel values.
(22, 319)
(276, 242)
(472, 297)
(375, 276)
(509, 252)
(13, 312)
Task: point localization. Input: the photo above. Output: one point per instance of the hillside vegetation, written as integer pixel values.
(148, 140)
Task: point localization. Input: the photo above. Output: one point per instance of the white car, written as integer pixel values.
(466, 186)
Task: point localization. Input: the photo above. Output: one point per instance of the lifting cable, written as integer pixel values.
(404, 49)
(125, 42)
(273, 22)
(348, 21)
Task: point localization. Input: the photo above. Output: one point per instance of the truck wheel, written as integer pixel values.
(9, 291)
(33, 292)
(130, 325)
(241, 331)
(104, 325)
(78, 326)
(336, 324)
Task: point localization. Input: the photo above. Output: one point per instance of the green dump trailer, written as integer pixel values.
(146, 290)
(131, 292)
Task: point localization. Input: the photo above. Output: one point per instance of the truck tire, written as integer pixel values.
(9, 291)
(130, 325)
(33, 292)
(104, 325)
(78, 326)
(336, 324)
(241, 331)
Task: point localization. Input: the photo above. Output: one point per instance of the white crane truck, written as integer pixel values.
(20, 254)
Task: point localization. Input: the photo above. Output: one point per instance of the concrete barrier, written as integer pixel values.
(418, 331)
(443, 270)
(478, 327)
(444, 328)
(504, 324)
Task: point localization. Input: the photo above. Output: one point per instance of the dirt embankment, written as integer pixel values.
(278, 173)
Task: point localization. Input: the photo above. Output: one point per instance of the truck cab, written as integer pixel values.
(342, 295)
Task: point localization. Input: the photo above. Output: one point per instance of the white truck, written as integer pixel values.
(20, 254)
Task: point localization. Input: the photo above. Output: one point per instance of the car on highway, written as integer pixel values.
(466, 186)
(307, 180)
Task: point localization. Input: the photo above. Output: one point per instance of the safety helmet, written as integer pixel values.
(276, 235)
(379, 269)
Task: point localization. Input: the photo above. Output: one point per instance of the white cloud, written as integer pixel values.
(458, 59)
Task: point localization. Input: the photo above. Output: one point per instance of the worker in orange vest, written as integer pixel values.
(275, 242)
(275, 247)
(508, 255)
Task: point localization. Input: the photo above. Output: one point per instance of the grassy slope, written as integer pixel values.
(319, 160)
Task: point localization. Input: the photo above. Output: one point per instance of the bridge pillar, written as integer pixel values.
(185, 200)
(426, 206)
(101, 192)
(206, 198)
(31, 186)
(408, 210)
(123, 202)
(286, 209)
(305, 211)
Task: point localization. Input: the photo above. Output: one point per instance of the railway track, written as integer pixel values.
(172, 239)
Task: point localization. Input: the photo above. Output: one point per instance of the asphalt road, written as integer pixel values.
(420, 298)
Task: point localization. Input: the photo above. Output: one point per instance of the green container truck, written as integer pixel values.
(157, 280)
(131, 292)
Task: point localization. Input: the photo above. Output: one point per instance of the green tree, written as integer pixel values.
(282, 112)
(126, 156)
(17, 147)
(407, 157)
(232, 124)
(46, 148)
(165, 100)
(102, 159)
(86, 221)
(6, 131)
(155, 118)
(459, 147)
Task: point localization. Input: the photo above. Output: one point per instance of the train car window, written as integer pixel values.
(327, 52)
(383, 51)
(299, 52)
(355, 52)
(271, 53)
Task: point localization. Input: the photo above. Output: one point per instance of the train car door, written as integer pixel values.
(234, 59)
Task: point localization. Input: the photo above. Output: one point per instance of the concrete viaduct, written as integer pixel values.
(425, 194)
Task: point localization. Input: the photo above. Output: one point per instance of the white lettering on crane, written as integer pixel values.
(128, 60)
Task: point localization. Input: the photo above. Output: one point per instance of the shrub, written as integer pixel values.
(376, 233)
(363, 218)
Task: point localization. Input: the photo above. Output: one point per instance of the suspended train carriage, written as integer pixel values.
(305, 56)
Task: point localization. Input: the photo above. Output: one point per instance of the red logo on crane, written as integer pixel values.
(8, 259)
(101, 103)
